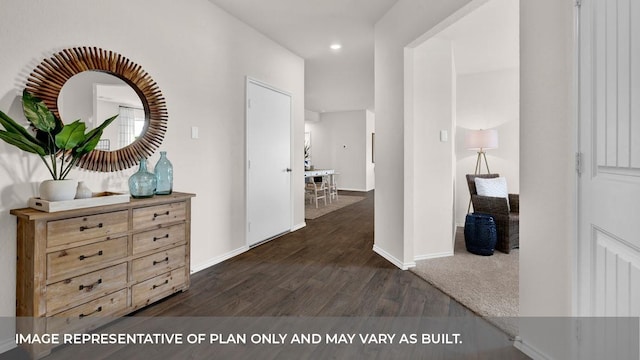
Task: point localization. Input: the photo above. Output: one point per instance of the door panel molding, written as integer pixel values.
(617, 273)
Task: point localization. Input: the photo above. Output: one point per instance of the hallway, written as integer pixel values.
(325, 269)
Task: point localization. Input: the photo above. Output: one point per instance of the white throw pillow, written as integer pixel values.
(496, 187)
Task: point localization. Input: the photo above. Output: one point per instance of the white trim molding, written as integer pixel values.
(299, 226)
(7, 344)
(530, 351)
(218, 259)
(353, 189)
(392, 259)
(433, 256)
(235, 252)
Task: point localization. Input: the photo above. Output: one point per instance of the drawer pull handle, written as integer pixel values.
(91, 313)
(82, 257)
(156, 238)
(83, 228)
(164, 283)
(90, 287)
(161, 261)
(155, 215)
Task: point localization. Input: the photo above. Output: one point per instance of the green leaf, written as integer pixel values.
(88, 145)
(21, 142)
(106, 123)
(37, 113)
(13, 127)
(92, 137)
(71, 135)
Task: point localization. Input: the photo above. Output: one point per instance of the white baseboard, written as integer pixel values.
(392, 259)
(349, 189)
(299, 226)
(229, 255)
(218, 259)
(433, 256)
(7, 344)
(530, 351)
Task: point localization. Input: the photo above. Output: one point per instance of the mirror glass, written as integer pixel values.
(94, 96)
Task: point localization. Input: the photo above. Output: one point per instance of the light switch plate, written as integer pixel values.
(194, 132)
(444, 135)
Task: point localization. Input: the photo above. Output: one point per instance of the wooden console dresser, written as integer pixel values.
(78, 269)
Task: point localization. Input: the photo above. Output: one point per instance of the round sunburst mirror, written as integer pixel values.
(150, 121)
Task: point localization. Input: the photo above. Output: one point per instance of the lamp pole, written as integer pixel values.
(481, 155)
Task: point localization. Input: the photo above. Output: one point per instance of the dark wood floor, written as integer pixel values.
(325, 269)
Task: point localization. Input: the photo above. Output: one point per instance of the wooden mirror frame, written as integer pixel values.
(48, 78)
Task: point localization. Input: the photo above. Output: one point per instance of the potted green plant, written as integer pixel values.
(60, 146)
(307, 156)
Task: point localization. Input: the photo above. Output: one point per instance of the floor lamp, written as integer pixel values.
(480, 140)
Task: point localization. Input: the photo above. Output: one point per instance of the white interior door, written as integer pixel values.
(609, 195)
(268, 162)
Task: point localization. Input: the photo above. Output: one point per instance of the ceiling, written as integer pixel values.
(334, 80)
(486, 39)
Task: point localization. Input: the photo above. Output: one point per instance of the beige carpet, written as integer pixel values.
(310, 211)
(487, 285)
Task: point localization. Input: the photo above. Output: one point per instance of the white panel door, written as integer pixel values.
(268, 162)
(609, 185)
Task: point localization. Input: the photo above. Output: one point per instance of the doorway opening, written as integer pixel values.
(462, 75)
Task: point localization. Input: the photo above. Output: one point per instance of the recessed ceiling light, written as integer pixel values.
(336, 46)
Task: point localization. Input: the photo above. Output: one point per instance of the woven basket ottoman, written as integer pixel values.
(480, 234)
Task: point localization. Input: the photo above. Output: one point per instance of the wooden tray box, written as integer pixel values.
(98, 199)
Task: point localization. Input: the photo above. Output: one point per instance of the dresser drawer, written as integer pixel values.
(152, 216)
(155, 239)
(156, 264)
(67, 231)
(82, 259)
(158, 287)
(90, 315)
(80, 289)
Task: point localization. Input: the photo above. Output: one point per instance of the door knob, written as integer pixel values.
(288, 170)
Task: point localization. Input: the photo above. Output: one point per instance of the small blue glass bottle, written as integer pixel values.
(142, 184)
(164, 175)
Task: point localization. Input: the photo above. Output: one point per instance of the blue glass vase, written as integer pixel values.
(142, 184)
(164, 175)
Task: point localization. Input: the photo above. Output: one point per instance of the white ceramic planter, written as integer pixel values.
(58, 190)
(83, 191)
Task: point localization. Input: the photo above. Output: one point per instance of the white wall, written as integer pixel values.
(488, 100)
(199, 56)
(429, 162)
(311, 116)
(546, 130)
(371, 166)
(547, 177)
(340, 141)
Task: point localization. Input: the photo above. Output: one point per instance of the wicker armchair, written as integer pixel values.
(506, 215)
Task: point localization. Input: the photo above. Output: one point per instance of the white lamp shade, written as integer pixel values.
(481, 139)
